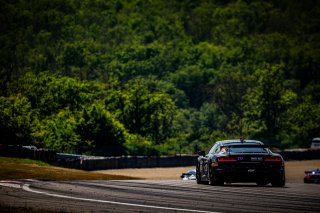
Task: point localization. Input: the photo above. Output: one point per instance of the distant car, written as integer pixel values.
(30, 147)
(312, 176)
(315, 143)
(240, 161)
(189, 175)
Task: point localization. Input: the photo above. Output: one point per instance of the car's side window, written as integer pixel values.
(213, 149)
(217, 149)
(222, 150)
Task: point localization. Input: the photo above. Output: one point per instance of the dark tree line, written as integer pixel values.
(113, 77)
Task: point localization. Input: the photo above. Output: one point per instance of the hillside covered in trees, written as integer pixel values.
(149, 77)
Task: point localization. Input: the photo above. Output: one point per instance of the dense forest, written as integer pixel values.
(150, 77)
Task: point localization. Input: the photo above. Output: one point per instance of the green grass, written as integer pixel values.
(23, 161)
(17, 168)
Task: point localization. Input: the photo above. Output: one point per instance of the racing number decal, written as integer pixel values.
(240, 158)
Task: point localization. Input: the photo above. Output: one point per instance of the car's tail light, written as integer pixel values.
(226, 159)
(273, 159)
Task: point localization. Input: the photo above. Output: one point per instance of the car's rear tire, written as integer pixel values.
(198, 178)
(279, 182)
(213, 181)
(199, 181)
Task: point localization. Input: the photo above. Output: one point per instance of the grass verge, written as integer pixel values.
(16, 168)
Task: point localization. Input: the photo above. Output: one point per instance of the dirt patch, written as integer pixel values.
(294, 171)
(150, 173)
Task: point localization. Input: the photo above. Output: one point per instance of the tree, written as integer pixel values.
(194, 82)
(151, 63)
(265, 105)
(302, 123)
(15, 120)
(102, 131)
(58, 132)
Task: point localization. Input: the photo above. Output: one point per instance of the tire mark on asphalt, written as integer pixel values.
(27, 188)
(121, 195)
(252, 191)
(177, 195)
(285, 196)
(262, 201)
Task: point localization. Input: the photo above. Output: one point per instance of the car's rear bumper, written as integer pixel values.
(312, 180)
(247, 174)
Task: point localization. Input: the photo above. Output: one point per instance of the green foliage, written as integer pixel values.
(302, 121)
(58, 132)
(138, 145)
(50, 93)
(194, 82)
(15, 120)
(99, 127)
(157, 77)
(143, 111)
(268, 106)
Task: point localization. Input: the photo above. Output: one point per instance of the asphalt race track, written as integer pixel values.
(158, 196)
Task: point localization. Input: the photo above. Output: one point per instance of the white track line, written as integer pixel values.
(11, 183)
(27, 188)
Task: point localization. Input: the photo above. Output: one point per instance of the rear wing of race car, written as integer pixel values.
(272, 148)
(251, 146)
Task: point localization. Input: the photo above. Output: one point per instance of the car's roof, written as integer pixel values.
(239, 141)
(316, 140)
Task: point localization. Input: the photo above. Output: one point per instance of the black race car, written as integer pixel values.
(240, 161)
(312, 176)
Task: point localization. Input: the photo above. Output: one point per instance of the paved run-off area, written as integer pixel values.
(159, 196)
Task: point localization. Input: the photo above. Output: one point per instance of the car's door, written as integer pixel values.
(201, 161)
(207, 161)
(205, 166)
